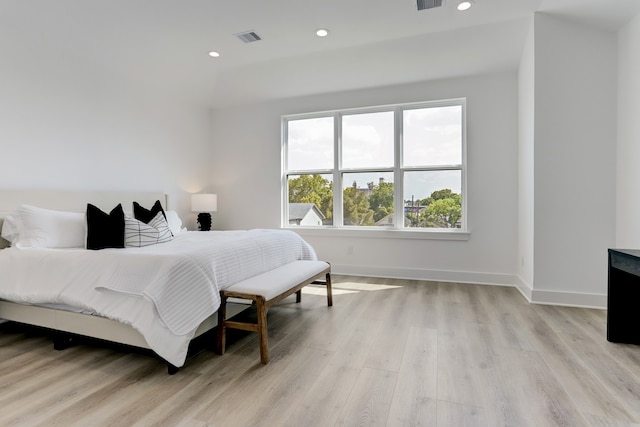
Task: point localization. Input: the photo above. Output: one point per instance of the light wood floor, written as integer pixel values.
(388, 353)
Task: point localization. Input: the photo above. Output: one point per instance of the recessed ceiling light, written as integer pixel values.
(214, 54)
(322, 32)
(464, 5)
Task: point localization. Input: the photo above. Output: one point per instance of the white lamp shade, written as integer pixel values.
(204, 202)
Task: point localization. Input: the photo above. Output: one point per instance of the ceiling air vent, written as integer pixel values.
(251, 36)
(429, 4)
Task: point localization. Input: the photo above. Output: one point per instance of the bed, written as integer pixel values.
(140, 297)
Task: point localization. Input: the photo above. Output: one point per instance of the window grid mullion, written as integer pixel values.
(284, 217)
(398, 176)
(337, 174)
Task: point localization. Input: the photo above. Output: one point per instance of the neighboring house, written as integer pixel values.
(413, 210)
(305, 214)
(387, 221)
(370, 187)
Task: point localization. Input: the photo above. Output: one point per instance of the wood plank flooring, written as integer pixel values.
(388, 353)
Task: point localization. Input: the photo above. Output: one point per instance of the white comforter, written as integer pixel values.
(164, 291)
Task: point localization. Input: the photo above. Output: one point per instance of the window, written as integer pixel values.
(398, 167)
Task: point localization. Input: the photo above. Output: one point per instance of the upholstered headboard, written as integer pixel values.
(75, 201)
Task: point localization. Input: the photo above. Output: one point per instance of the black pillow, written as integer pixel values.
(105, 230)
(145, 215)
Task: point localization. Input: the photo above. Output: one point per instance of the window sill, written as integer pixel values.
(382, 234)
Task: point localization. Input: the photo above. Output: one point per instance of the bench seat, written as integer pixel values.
(267, 289)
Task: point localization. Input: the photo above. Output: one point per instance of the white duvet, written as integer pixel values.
(164, 291)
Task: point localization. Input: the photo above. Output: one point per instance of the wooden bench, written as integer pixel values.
(267, 289)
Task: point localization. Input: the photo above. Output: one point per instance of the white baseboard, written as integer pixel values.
(569, 299)
(524, 288)
(424, 274)
(562, 298)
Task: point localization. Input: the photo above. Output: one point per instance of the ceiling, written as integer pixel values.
(165, 43)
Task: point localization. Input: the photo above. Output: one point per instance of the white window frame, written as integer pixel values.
(398, 231)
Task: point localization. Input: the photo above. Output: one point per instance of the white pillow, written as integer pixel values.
(175, 223)
(138, 234)
(35, 227)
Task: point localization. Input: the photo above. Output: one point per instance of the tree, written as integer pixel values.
(444, 209)
(356, 207)
(381, 200)
(445, 193)
(312, 189)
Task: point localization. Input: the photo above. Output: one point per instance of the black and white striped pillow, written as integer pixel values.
(138, 234)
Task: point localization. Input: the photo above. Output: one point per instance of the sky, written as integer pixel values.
(431, 137)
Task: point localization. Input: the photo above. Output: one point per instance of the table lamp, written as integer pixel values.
(204, 204)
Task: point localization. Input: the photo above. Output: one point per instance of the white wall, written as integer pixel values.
(574, 158)
(628, 159)
(541, 156)
(66, 124)
(526, 140)
(246, 168)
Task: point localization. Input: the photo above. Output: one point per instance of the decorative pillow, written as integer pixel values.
(105, 230)
(11, 228)
(138, 234)
(145, 215)
(174, 221)
(33, 227)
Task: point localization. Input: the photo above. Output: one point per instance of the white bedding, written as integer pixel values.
(164, 291)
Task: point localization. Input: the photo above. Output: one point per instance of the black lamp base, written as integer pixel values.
(204, 219)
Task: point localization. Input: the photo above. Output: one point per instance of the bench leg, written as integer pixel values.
(329, 290)
(299, 296)
(261, 309)
(222, 330)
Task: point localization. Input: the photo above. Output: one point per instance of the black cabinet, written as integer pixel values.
(623, 301)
